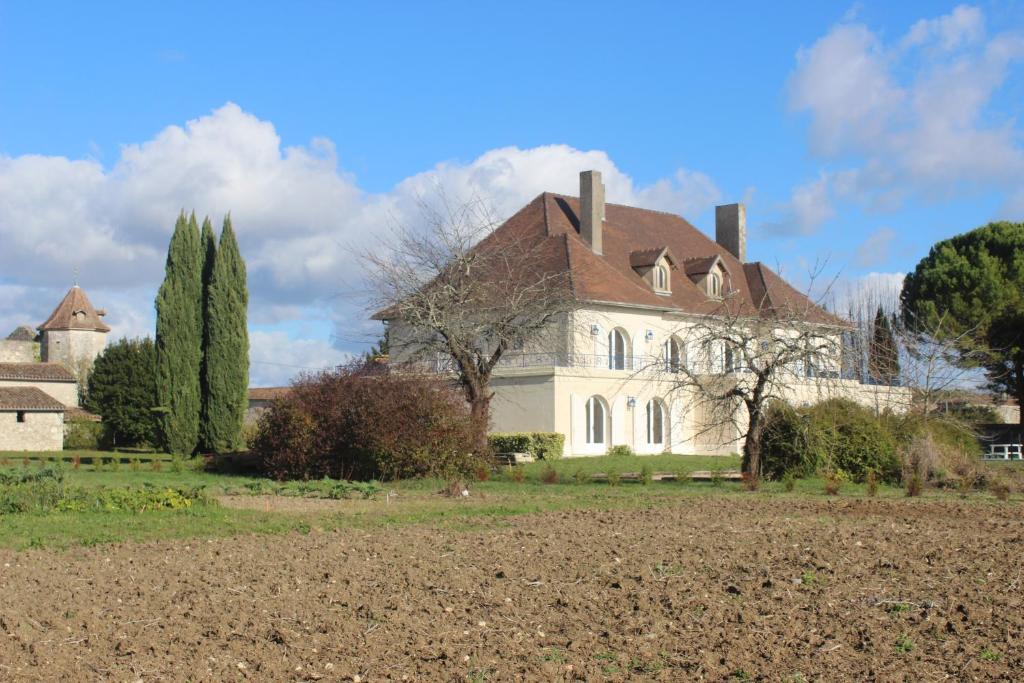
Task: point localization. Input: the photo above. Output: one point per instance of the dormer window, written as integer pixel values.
(661, 278)
(715, 284)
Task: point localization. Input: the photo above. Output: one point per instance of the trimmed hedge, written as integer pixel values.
(541, 445)
(84, 435)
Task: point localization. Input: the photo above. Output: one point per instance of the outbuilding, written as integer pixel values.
(30, 420)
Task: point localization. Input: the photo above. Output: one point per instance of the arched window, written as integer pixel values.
(596, 420)
(655, 422)
(661, 278)
(731, 358)
(715, 283)
(616, 350)
(675, 355)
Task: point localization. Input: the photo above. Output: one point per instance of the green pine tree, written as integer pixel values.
(122, 389)
(179, 333)
(227, 350)
(883, 353)
(209, 246)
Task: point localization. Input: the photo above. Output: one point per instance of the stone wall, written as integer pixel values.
(65, 392)
(18, 351)
(42, 431)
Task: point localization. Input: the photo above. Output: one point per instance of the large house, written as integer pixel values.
(39, 373)
(641, 279)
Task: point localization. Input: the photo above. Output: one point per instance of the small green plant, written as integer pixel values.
(155, 465)
(789, 482)
(135, 464)
(990, 655)
(871, 483)
(645, 474)
(683, 475)
(177, 464)
(580, 477)
(517, 473)
(115, 464)
(904, 644)
(97, 464)
(716, 478)
(809, 579)
(614, 478)
(898, 608)
(621, 450)
(833, 483)
(914, 485)
(549, 475)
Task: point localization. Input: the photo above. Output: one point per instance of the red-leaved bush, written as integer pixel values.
(363, 422)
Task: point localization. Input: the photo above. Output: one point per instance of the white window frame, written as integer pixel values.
(591, 422)
(656, 404)
(616, 350)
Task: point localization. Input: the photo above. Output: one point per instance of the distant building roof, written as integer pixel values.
(28, 398)
(81, 414)
(268, 393)
(75, 312)
(22, 333)
(36, 372)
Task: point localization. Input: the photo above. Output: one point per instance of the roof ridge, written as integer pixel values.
(624, 206)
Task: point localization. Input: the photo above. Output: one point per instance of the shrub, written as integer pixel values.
(36, 491)
(621, 450)
(363, 422)
(580, 477)
(872, 484)
(517, 473)
(833, 483)
(250, 430)
(122, 388)
(914, 485)
(83, 435)
(541, 445)
(614, 479)
(789, 482)
(481, 473)
(549, 475)
(1000, 489)
(836, 434)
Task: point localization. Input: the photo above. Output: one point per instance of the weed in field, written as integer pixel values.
(914, 485)
(904, 644)
(135, 464)
(155, 465)
(871, 482)
(25, 462)
(809, 579)
(481, 473)
(76, 462)
(751, 482)
(965, 483)
(645, 474)
(1000, 489)
(549, 475)
(517, 473)
(683, 475)
(990, 655)
(177, 464)
(789, 482)
(580, 477)
(716, 478)
(115, 464)
(833, 483)
(898, 608)
(553, 654)
(614, 478)
(97, 464)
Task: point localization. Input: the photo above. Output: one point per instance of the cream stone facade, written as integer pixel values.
(31, 430)
(609, 373)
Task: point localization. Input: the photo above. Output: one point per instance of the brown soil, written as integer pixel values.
(727, 588)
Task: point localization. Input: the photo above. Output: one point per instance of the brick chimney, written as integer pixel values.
(591, 208)
(731, 229)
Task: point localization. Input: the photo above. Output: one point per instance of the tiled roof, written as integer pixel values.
(75, 312)
(648, 257)
(22, 333)
(552, 222)
(28, 398)
(36, 372)
(268, 393)
(81, 415)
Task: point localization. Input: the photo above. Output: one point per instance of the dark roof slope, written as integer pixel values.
(36, 372)
(75, 312)
(28, 398)
(268, 393)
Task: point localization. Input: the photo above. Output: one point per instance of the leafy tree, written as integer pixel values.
(380, 350)
(209, 245)
(970, 289)
(883, 353)
(179, 333)
(122, 389)
(227, 346)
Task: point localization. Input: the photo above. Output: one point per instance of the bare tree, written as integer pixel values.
(458, 293)
(740, 359)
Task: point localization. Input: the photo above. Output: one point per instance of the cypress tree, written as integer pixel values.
(209, 247)
(227, 350)
(883, 354)
(179, 340)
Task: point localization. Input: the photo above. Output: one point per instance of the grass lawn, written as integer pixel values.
(399, 503)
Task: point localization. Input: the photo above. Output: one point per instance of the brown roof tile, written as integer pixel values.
(75, 312)
(28, 398)
(36, 372)
(268, 393)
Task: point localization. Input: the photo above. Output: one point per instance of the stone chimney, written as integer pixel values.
(591, 208)
(731, 229)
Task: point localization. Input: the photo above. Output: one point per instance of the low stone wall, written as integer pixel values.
(18, 351)
(40, 431)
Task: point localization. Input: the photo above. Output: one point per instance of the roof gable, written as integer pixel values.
(28, 399)
(35, 372)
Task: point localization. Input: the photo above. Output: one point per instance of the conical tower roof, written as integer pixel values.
(75, 312)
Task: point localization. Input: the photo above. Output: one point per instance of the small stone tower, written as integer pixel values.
(74, 334)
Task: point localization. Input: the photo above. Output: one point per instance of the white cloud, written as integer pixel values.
(807, 209)
(916, 116)
(876, 249)
(299, 219)
(276, 358)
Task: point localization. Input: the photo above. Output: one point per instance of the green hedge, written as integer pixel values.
(83, 435)
(541, 445)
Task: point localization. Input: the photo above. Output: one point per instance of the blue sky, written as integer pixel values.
(858, 133)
